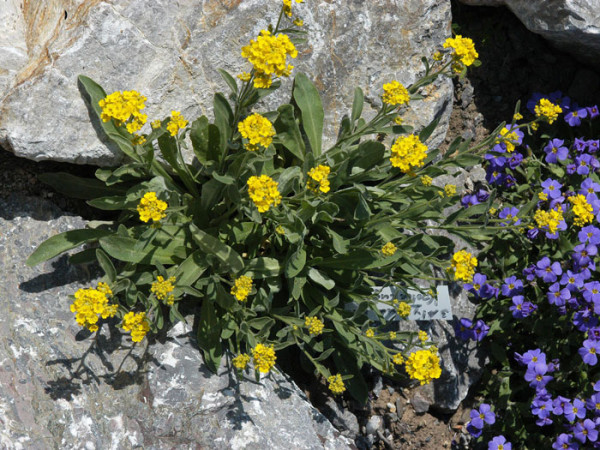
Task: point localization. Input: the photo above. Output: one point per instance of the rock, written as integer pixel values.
(169, 51)
(583, 84)
(162, 397)
(572, 26)
(422, 399)
(374, 424)
(341, 418)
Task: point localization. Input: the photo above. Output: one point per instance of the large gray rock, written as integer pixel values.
(573, 26)
(170, 51)
(162, 397)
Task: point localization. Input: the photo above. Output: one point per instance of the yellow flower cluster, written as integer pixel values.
(258, 130)
(150, 207)
(138, 139)
(450, 190)
(317, 179)
(389, 249)
(123, 106)
(241, 361)
(314, 325)
(395, 94)
(550, 219)
(264, 357)
(244, 76)
(89, 303)
(162, 289)
(280, 230)
(509, 138)
(424, 366)
(403, 309)
(268, 55)
(370, 333)
(408, 152)
(137, 324)
(241, 288)
(392, 335)
(426, 180)
(464, 265)
(463, 49)
(582, 209)
(398, 358)
(263, 192)
(336, 384)
(156, 124)
(423, 336)
(547, 110)
(176, 123)
(543, 196)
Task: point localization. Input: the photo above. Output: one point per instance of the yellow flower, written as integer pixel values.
(426, 180)
(463, 49)
(389, 249)
(268, 55)
(517, 116)
(423, 336)
(509, 138)
(535, 126)
(298, 22)
(437, 56)
(398, 120)
(543, 196)
(392, 335)
(317, 180)
(450, 190)
(258, 130)
(336, 384)
(241, 288)
(150, 207)
(408, 152)
(264, 357)
(582, 209)
(241, 361)
(314, 325)
(493, 211)
(124, 107)
(464, 265)
(162, 289)
(395, 94)
(287, 7)
(137, 324)
(423, 365)
(176, 123)
(244, 76)
(280, 230)
(138, 139)
(547, 110)
(91, 304)
(263, 192)
(550, 219)
(398, 358)
(403, 309)
(370, 333)
(156, 124)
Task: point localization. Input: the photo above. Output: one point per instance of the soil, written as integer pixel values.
(515, 63)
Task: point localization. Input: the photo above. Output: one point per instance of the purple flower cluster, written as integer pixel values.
(465, 329)
(480, 196)
(479, 417)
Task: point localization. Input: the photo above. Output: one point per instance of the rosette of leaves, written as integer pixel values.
(315, 254)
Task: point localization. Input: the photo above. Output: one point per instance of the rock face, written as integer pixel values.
(162, 397)
(573, 26)
(170, 51)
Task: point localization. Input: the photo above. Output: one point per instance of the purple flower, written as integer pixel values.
(573, 281)
(593, 146)
(511, 215)
(557, 296)
(575, 116)
(515, 160)
(594, 333)
(475, 432)
(482, 416)
(541, 407)
(575, 409)
(482, 195)
(469, 200)
(532, 233)
(529, 272)
(585, 430)
(593, 404)
(591, 292)
(536, 375)
(555, 151)
(584, 162)
(596, 386)
(464, 329)
(521, 309)
(551, 188)
(588, 186)
(532, 357)
(499, 443)
(584, 320)
(593, 111)
(548, 270)
(589, 352)
(480, 329)
(480, 288)
(565, 442)
(580, 144)
(589, 234)
(559, 404)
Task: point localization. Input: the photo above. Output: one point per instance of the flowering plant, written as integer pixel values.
(537, 284)
(267, 237)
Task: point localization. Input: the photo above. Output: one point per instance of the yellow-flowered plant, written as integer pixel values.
(258, 130)
(464, 264)
(549, 219)
(582, 209)
(547, 110)
(216, 211)
(463, 49)
(423, 366)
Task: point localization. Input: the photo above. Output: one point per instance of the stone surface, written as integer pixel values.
(157, 397)
(341, 418)
(170, 51)
(573, 26)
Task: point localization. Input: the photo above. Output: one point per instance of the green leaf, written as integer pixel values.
(340, 244)
(370, 153)
(428, 130)
(78, 187)
(223, 179)
(229, 80)
(311, 110)
(223, 119)
(295, 263)
(115, 203)
(354, 260)
(211, 245)
(127, 249)
(287, 178)
(62, 242)
(106, 265)
(191, 269)
(199, 138)
(209, 335)
(357, 104)
(320, 278)
(288, 132)
(262, 267)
